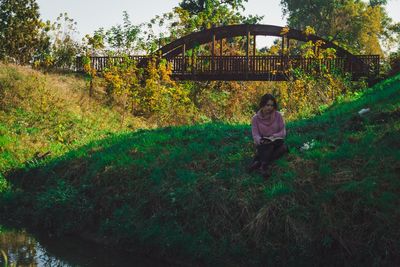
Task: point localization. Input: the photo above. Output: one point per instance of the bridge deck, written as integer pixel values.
(262, 68)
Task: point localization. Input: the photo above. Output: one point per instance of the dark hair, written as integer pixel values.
(265, 98)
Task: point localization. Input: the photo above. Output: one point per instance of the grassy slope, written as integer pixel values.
(183, 192)
(49, 113)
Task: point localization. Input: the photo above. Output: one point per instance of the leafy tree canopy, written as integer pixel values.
(64, 48)
(120, 39)
(22, 34)
(196, 15)
(123, 38)
(197, 6)
(355, 24)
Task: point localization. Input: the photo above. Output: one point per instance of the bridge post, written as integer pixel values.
(192, 67)
(213, 54)
(282, 55)
(247, 52)
(220, 56)
(183, 59)
(287, 63)
(254, 55)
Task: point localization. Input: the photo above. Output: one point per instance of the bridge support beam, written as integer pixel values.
(213, 53)
(247, 51)
(283, 65)
(254, 45)
(254, 53)
(220, 55)
(193, 65)
(183, 58)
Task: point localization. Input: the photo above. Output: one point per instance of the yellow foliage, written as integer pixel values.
(319, 43)
(309, 30)
(285, 30)
(329, 53)
(122, 81)
(150, 92)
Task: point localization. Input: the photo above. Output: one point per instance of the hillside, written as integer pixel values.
(50, 113)
(183, 193)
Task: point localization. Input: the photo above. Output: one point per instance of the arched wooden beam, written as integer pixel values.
(198, 38)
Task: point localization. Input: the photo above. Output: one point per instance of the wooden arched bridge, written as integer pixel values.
(250, 65)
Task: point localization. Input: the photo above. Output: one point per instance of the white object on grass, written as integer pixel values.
(363, 111)
(308, 145)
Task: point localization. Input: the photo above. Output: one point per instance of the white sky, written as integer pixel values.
(93, 14)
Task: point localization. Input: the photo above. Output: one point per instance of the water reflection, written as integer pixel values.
(18, 248)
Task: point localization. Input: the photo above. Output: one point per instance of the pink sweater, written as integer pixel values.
(261, 127)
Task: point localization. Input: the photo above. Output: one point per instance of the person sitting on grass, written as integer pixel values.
(268, 130)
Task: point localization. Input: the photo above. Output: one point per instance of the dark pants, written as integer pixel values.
(266, 153)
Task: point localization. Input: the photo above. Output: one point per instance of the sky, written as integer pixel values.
(91, 15)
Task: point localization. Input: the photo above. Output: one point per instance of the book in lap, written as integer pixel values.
(272, 138)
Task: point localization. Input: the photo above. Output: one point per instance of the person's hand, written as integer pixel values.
(265, 140)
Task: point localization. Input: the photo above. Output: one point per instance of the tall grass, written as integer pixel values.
(49, 115)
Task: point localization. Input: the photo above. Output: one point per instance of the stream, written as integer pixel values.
(21, 248)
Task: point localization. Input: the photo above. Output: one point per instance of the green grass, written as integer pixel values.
(183, 193)
(49, 113)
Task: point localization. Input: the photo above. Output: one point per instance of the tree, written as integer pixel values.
(354, 24)
(90, 46)
(205, 14)
(302, 13)
(197, 6)
(123, 38)
(195, 15)
(22, 34)
(64, 48)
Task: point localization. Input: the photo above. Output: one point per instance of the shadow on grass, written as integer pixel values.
(155, 186)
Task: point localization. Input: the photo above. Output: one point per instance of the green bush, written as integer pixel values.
(4, 185)
(394, 61)
(63, 209)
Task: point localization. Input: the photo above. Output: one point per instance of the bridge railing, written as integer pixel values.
(254, 66)
(100, 63)
(364, 64)
(266, 64)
